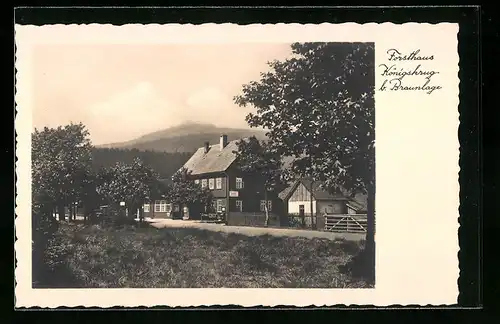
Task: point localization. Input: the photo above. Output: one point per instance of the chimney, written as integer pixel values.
(206, 146)
(223, 141)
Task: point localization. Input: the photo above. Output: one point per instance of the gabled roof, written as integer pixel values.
(283, 195)
(317, 192)
(215, 160)
(359, 202)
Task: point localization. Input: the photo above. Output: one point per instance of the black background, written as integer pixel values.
(473, 25)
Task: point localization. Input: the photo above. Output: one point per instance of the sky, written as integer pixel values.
(121, 92)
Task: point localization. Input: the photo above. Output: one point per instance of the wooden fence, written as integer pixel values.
(252, 219)
(302, 221)
(343, 223)
(346, 223)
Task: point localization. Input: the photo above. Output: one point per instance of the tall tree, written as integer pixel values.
(259, 160)
(91, 199)
(318, 106)
(61, 163)
(60, 159)
(184, 192)
(132, 183)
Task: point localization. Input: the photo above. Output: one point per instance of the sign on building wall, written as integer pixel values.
(233, 193)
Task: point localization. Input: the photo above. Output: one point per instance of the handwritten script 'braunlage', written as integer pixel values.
(408, 72)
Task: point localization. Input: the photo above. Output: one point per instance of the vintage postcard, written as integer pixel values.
(219, 164)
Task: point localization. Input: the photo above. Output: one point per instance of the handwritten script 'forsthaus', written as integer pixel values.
(407, 72)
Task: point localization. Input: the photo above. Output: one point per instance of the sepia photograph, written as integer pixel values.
(220, 164)
(204, 166)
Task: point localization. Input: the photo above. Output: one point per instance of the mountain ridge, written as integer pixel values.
(186, 137)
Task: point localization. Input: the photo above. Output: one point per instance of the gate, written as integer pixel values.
(346, 223)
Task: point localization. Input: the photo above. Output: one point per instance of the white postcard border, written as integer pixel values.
(417, 154)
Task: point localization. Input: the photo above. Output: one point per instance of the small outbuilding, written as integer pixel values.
(303, 193)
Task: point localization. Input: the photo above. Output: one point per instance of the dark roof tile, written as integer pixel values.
(215, 160)
(359, 202)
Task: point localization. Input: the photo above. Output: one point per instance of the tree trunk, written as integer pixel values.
(141, 214)
(312, 204)
(266, 209)
(92, 217)
(46, 211)
(85, 211)
(61, 212)
(88, 208)
(370, 235)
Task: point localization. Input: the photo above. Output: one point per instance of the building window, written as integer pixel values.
(169, 208)
(204, 183)
(218, 183)
(220, 204)
(197, 181)
(146, 208)
(263, 205)
(160, 206)
(239, 183)
(211, 184)
(239, 205)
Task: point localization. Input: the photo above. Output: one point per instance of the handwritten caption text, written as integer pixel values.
(407, 72)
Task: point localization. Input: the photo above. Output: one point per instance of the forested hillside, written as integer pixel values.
(165, 164)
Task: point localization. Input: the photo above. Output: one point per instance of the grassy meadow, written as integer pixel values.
(94, 256)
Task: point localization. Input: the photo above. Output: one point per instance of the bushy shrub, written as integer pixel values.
(44, 226)
(56, 252)
(118, 221)
(113, 217)
(294, 222)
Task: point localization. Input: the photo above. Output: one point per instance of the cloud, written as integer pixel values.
(141, 109)
(122, 91)
(213, 105)
(131, 113)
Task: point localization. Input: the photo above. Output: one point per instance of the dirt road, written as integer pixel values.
(253, 231)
